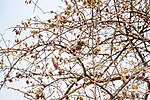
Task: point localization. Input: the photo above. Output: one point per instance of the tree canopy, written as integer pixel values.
(90, 50)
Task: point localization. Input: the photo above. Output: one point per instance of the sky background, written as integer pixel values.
(12, 12)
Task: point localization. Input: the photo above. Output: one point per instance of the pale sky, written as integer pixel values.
(12, 13)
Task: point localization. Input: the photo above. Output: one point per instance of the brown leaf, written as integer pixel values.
(55, 63)
(134, 87)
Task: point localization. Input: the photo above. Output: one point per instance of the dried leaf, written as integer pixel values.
(55, 63)
(123, 78)
(69, 7)
(84, 2)
(39, 78)
(135, 87)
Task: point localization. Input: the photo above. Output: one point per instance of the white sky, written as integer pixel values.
(12, 13)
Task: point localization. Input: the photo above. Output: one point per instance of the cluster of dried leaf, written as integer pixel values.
(93, 50)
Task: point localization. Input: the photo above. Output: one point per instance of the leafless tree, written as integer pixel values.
(92, 50)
